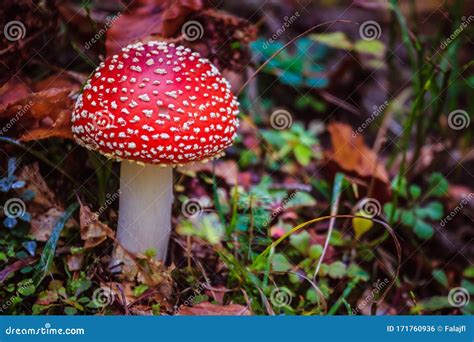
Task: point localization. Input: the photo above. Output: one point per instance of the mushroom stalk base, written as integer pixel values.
(146, 196)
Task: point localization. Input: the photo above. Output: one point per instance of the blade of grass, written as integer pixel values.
(50, 248)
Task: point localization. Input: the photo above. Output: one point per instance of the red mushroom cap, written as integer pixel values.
(156, 103)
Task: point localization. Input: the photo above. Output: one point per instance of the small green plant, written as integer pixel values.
(420, 208)
(296, 141)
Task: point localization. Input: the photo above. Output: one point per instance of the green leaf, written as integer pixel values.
(422, 229)
(303, 154)
(469, 272)
(361, 225)
(300, 241)
(139, 290)
(312, 296)
(26, 287)
(280, 263)
(437, 185)
(469, 286)
(391, 212)
(415, 191)
(337, 270)
(440, 277)
(433, 211)
(372, 47)
(315, 251)
(337, 40)
(408, 217)
(70, 311)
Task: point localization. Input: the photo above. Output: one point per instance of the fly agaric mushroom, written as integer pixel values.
(154, 106)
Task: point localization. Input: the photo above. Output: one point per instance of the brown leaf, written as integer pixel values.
(11, 92)
(42, 224)
(227, 169)
(209, 309)
(75, 261)
(350, 155)
(148, 17)
(93, 232)
(45, 112)
(16, 266)
(34, 182)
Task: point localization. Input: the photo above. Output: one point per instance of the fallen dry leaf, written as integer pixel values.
(209, 309)
(147, 18)
(93, 232)
(350, 155)
(227, 169)
(45, 210)
(42, 224)
(43, 112)
(75, 261)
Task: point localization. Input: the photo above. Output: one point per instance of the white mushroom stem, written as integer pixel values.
(146, 196)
